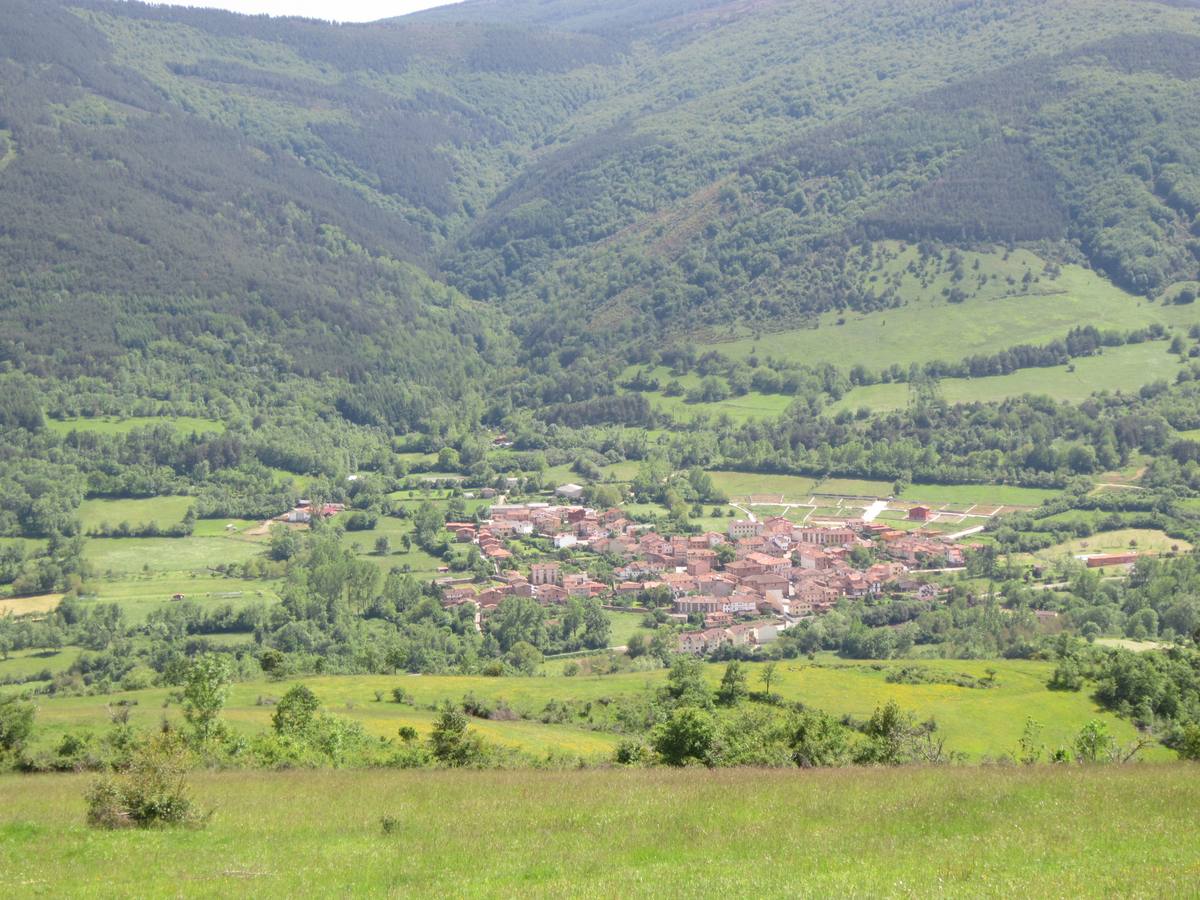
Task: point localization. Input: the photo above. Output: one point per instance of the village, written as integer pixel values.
(740, 587)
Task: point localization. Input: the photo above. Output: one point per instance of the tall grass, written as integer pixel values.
(914, 832)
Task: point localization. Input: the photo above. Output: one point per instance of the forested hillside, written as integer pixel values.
(546, 217)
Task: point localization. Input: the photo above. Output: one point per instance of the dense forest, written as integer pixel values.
(385, 218)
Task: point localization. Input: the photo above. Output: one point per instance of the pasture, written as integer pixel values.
(162, 511)
(126, 424)
(1124, 369)
(123, 556)
(1143, 540)
(1053, 831)
(929, 328)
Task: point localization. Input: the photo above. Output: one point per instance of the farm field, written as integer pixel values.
(974, 721)
(140, 595)
(163, 511)
(1125, 369)
(23, 606)
(21, 663)
(751, 405)
(1092, 832)
(124, 425)
(1147, 541)
(123, 556)
(925, 329)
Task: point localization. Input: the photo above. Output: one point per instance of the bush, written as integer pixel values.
(151, 792)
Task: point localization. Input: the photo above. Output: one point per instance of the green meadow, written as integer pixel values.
(1143, 540)
(977, 722)
(929, 328)
(1045, 831)
(1124, 369)
(799, 489)
(163, 511)
(126, 424)
(192, 554)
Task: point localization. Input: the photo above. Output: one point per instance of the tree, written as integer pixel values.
(766, 675)
(687, 735)
(597, 629)
(294, 713)
(285, 543)
(1188, 743)
(685, 682)
(818, 741)
(636, 645)
(518, 619)
(451, 741)
(1094, 744)
(524, 657)
(428, 521)
(383, 545)
(1029, 751)
(16, 724)
(206, 688)
(733, 684)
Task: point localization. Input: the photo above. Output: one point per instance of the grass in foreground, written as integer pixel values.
(1066, 832)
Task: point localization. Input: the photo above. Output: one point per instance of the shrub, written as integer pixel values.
(151, 792)
(390, 824)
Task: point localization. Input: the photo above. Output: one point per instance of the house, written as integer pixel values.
(740, 604)
(564, 540)
(743, 568)
(775, 565)
(699, 604)
(569, 491)
(1111, 559)
(767, 582)
(744, 528)
(919, 514)
(550, 593)
(545, 573)
(699, 643)
(824, 537)
(813, 557)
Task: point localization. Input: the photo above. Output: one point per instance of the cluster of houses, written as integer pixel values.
(745, 585)
(304, 512)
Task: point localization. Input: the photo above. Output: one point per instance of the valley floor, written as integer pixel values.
(1047, 832)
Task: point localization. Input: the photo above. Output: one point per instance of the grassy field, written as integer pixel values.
(118, 425)
(139, 595)
(164, 511)
(751, 405)
(24, 606)
(1053, 832)
(624, 626)
(123, 556)
(974, 721)
(1117, 369)
(21, 663)
(1144, 540)
(929, 329)
(800, 489)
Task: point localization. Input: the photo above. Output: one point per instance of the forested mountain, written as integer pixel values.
(500, 203)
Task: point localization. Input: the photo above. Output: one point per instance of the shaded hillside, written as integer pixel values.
(268, 199)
